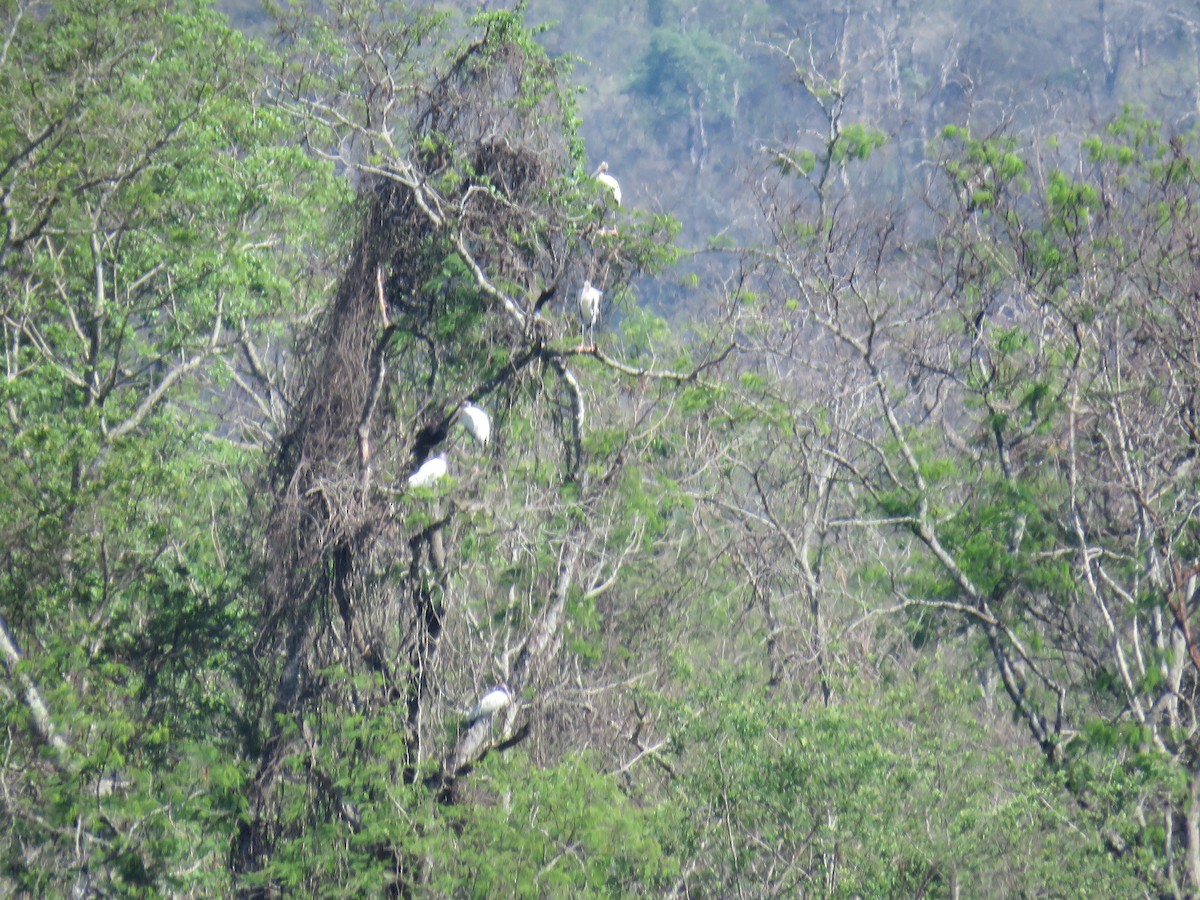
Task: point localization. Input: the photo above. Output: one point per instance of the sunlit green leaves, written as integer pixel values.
(155, 208)
(797, 786)
(857, 142)
(554, 830)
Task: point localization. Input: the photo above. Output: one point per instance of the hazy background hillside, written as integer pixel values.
(687, 100)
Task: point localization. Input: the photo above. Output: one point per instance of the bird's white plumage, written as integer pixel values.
(589, 304)
(493, 701)
(589, 308)
(430, 472)
(609, 182)
(477, 422)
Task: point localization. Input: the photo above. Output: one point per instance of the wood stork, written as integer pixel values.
(476, 421)
(491, 702)
(430, 473)
(589, 313)
(602, 176)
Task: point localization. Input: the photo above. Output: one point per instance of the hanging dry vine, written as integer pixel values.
(474, 228)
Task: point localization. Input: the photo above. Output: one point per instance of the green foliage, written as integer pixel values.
(1118, 772)
(644, 336)
(1071, 201)
(984, 170)
(679, 68)
(857, 142)
(797, 162)
(163, 223)
(538, 831)
(784, 796)
(1135, 136)
(528, 830)
(149, 201)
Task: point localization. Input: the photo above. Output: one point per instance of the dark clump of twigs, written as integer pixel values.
(351, 582)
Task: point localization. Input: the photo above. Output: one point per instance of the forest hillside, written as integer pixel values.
(641, 448)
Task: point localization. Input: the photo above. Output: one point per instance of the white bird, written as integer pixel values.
(493, 701)
(476, 421)
(430, 472)
(602, 176)
(589, 313)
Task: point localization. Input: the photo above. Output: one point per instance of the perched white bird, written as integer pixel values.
(493, 701)
(589, 313)
(476, 421)
(430, 472)
(602, 176)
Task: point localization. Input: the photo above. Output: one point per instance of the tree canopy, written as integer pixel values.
(852, 551)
